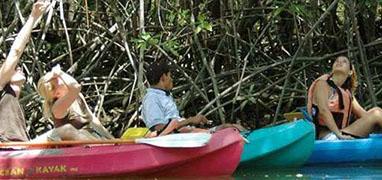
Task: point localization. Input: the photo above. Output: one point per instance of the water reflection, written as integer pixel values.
(324, 171)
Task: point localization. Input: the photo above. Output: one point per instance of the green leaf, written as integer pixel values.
(171, 17)
(172, 46)
(208, 27)
(201, 18)
(198, 29)
(146, 36)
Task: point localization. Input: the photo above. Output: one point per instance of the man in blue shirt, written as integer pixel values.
(159, 110)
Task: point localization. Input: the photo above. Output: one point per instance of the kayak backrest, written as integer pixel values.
(135, 132)
(304, 111)
(292, 116)
(302, 114)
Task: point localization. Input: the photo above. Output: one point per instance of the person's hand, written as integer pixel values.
(54, 73)
(239, 127)
(198, 119)
(344, 137)
(39, 8)
(228, 125)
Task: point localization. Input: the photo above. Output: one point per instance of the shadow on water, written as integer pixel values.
(323, 171)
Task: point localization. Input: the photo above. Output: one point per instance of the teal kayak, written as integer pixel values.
(285, 145)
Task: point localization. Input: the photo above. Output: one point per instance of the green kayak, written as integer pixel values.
(285, 145)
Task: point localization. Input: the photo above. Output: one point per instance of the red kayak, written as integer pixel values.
(218, 158)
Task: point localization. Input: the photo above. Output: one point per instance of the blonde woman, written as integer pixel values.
(12, 120)
(64, 104)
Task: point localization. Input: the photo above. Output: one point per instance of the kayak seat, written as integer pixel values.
(302, 113)
(292, 116)
(135, 132)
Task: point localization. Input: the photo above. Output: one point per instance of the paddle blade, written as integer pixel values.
(180, 140)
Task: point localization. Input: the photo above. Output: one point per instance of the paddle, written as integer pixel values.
(181, 140)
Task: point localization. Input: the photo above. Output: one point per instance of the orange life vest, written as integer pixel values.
(337, 108)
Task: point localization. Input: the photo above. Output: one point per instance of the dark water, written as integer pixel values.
(338, 171)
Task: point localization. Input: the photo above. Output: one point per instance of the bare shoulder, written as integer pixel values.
(321, 85)
(321, 90)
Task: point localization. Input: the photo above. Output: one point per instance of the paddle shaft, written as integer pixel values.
(66, 143)
(169, 141)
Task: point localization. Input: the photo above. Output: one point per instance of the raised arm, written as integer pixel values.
(68, 86)
(18, 46)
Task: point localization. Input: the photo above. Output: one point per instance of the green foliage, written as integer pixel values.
(183, 17)
(146, 40)
(202, 24)
(299, 9)
(171, 46)
(225, 31)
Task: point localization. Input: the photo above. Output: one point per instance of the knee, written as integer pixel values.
(66, 131)
(375, 112)
(67, 128)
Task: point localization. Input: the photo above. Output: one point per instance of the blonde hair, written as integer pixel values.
(45, 89)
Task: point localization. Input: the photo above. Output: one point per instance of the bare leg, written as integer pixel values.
(365, 125)
(65, 132)
(68, 132)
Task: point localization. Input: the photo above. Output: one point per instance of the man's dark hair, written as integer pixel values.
(156, 70)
